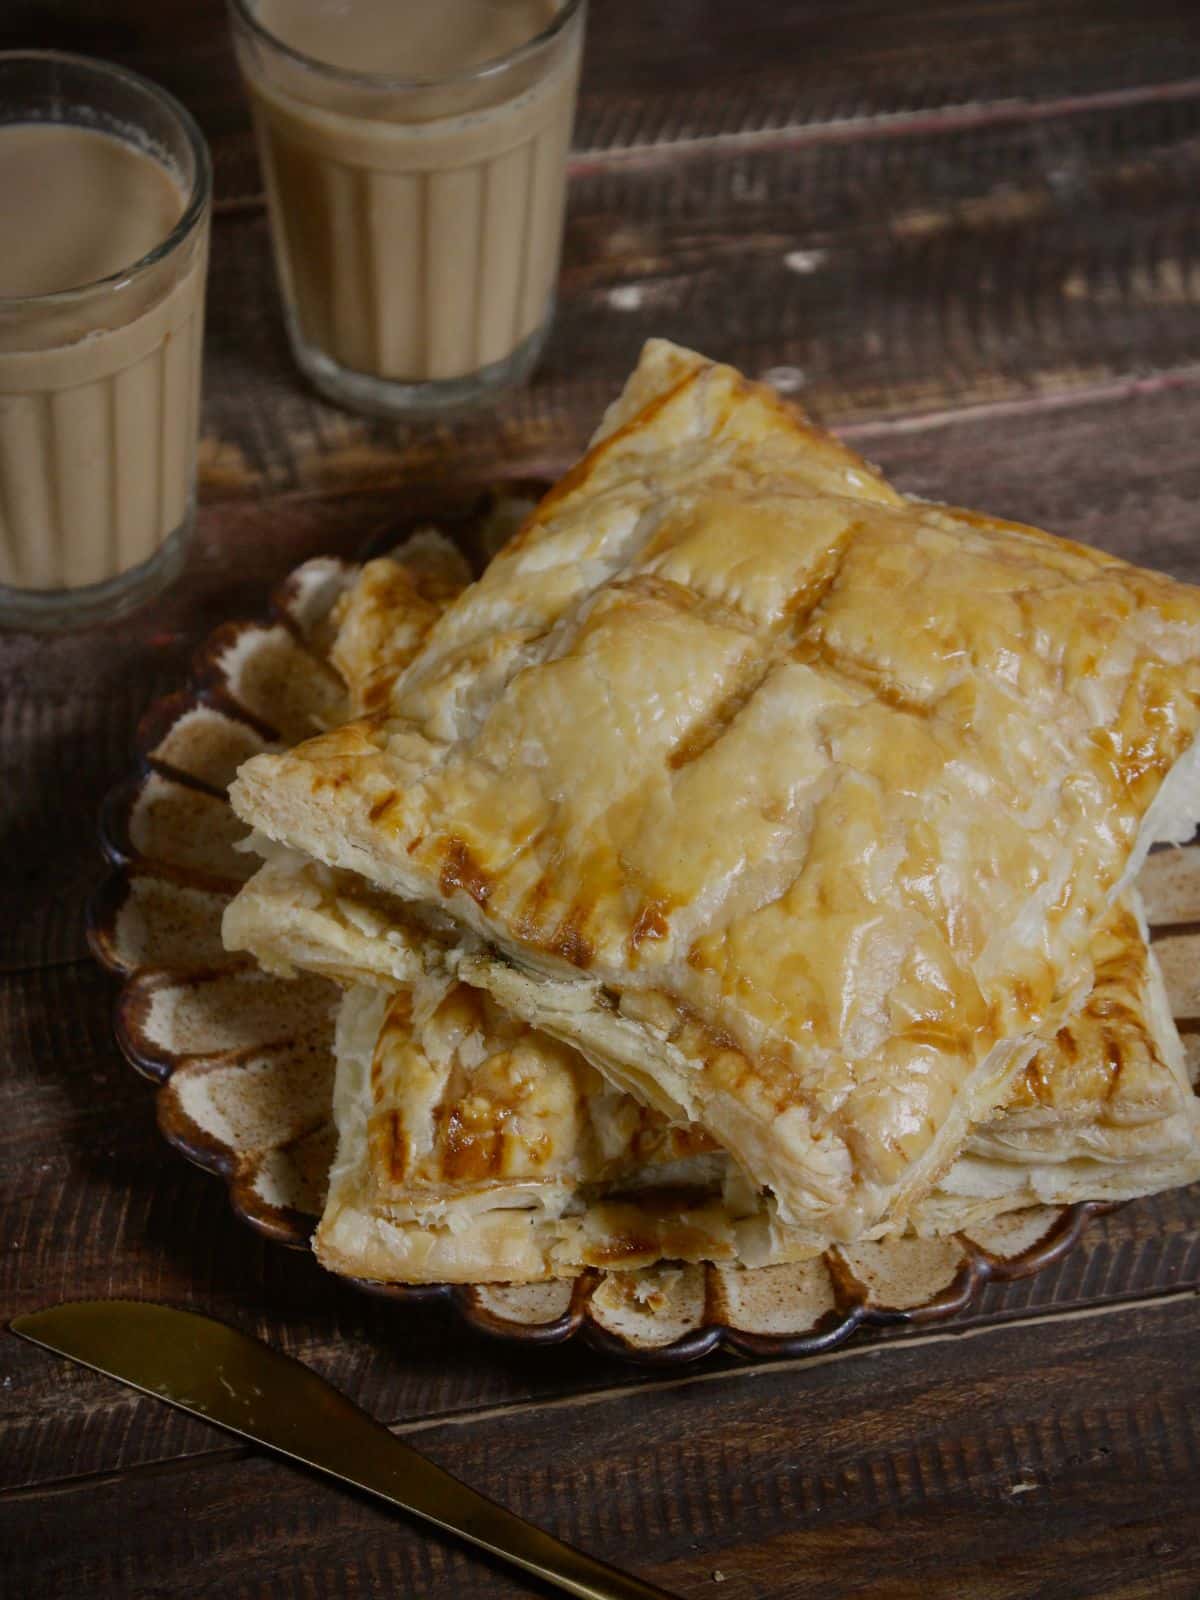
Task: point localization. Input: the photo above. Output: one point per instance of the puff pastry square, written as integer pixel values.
(441, 1175)
(472, 1149)
(1104, 1111)
(789, 801)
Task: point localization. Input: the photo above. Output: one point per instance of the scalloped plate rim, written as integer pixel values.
(207, 686)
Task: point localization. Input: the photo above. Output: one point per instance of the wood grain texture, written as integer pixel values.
(964, 234)
(886, 207)
(114, 1212)
(1027, 1477)
(874, 279)
(686, 72)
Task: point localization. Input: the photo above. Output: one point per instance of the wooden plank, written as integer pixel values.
(890, 277)
(876, 279)
(1058, 1460)
(894, 208)
(675, 74)
(97, 1204)
(966, 260)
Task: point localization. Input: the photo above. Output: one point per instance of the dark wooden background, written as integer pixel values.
(968, 236)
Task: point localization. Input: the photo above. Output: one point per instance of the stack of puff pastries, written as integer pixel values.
(745, 863)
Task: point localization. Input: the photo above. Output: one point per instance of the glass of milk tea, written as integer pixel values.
(105, 194)
(414, 154)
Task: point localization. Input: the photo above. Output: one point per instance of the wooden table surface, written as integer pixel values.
(968, 236)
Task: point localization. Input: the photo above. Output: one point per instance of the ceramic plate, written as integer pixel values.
(244, 1063)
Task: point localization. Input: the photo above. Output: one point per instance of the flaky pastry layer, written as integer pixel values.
(472, 1148)
(791, 802)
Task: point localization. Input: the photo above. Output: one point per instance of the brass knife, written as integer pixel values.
(226, 1377)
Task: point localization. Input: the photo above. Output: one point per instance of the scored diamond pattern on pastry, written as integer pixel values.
(791, 802)
(258, 1112)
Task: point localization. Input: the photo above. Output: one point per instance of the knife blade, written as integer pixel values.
(226, 1377)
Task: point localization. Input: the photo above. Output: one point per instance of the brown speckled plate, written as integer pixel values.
(244, 1065)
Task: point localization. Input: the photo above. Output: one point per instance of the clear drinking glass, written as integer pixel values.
(417, 224)
(100, 383)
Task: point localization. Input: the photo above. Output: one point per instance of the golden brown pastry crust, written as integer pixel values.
(382, 618)
(473, 1148)
(792, 803)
